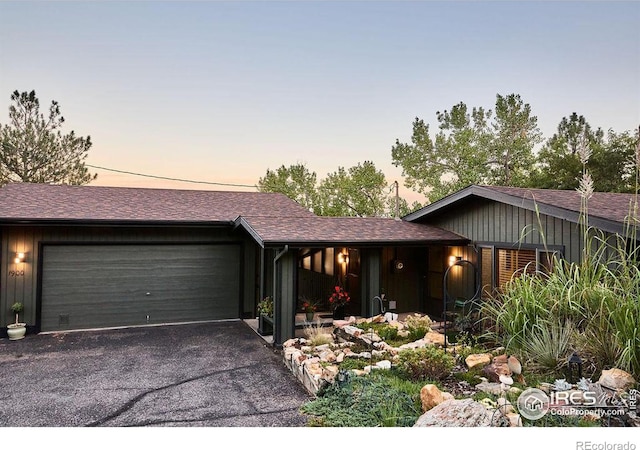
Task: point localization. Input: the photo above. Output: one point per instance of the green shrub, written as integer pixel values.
(371, 401)
(429, 363)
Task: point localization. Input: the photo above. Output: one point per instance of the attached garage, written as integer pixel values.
(95, 286)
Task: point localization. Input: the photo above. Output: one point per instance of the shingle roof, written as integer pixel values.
(309, 231)
(20, 202)
(607, 205)
(607, 210)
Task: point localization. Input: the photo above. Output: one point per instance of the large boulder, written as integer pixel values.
(456, 413)
(616, 379)
(430, 396)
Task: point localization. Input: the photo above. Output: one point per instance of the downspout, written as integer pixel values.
(276, 300)
(262, 273)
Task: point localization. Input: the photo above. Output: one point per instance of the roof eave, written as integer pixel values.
(356, 243)
(119, 222)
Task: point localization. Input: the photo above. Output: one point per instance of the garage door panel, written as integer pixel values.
(90, 286)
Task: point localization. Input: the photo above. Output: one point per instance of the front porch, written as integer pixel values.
(384, 265)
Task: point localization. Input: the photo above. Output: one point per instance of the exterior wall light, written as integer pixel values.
(343, 258)
(453, 259)
(20, 257)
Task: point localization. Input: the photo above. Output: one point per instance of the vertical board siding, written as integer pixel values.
(28, 238)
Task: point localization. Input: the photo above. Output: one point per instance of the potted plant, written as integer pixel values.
(265, 316)
(309, 310)
(339, 300)
(18, 329)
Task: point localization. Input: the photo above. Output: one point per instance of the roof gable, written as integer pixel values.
(607, 210)
(30, 202)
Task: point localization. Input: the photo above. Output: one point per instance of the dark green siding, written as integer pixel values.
(486, 221)
(95, 286)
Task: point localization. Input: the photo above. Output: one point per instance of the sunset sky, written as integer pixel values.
(221, 91)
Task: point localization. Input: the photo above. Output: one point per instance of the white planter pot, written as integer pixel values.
(16, 331)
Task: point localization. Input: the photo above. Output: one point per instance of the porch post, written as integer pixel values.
(285, 288)
(370, 272)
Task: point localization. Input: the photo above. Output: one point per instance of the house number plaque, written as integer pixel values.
(16, 273)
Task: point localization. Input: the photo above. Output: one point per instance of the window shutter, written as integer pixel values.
(516, 262)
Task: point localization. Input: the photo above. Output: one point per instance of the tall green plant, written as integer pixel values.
(599, 297)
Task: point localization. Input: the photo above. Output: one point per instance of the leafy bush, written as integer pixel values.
(429, 363)
(265, 307)
(375, 400)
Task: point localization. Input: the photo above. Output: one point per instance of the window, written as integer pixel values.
(513, 263)
(499, 265)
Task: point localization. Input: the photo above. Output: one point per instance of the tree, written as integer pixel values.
(456, 159)
(361, 191)
(33, 148)
(515, 134)
(296, 182)
(474, 147)
(610, 165)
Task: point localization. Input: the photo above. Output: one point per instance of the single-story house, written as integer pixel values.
(514, 229)
(81, 257)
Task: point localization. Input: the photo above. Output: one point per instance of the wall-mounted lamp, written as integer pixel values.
(453, 259)
(343, 258)
(20, 256)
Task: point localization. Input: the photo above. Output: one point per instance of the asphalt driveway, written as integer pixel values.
(215, 375)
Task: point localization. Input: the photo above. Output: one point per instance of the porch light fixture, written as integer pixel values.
(453, 259)
(19, 258)
(343, 258)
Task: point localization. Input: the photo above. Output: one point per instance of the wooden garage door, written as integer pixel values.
(94, 286)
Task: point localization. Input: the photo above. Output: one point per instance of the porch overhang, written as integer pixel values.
(299, 232)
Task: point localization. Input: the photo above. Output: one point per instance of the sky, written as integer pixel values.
(220, 91)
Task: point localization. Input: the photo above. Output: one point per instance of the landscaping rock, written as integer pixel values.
(496, 368)
(398, 325)
(434, 338)
(389, 316)
(290, 342)
(327, 356)
(456, 413)
(505, 406)
(384, 364)
(342, 323)
(340, 357)
(447, 396)
(477, 360)
(490, 388)
(616, 379)
(329, 372)
(430, 396)
(514, 419)
(355, 334)
(420, 343)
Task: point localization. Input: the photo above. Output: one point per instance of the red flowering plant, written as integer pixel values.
(339, 298)
(308, 307)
